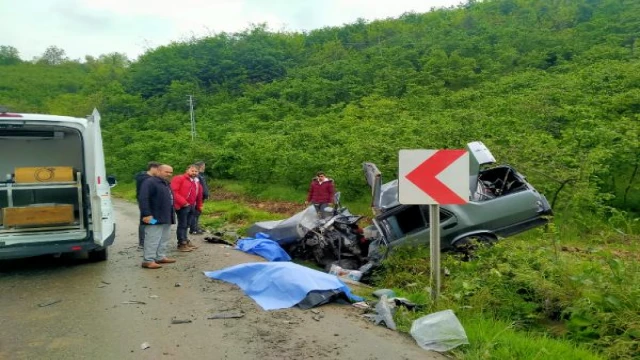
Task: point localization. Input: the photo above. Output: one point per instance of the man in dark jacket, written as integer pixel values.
(194, 222)
(156, 214)
(321, 192)
(152, 170)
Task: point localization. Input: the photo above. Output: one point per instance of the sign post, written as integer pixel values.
(434, 178)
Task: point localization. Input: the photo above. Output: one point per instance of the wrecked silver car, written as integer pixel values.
(502, 204)
(325, 237)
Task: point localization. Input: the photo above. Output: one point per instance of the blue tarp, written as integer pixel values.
(263, 246)
(279, 285)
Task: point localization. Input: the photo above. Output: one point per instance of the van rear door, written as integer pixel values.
(99, 189)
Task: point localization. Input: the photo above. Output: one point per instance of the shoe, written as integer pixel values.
(151, 265)
(140, 247)
(197, 232)
(184, 248)
(166, 261)
(190, 245)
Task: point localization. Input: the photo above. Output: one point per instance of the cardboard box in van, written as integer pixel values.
(24, 175)
(38, 215)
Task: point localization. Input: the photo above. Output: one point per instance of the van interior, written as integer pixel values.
(22, 146)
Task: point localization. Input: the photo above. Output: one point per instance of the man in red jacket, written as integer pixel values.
(321, 192)
(187, 199)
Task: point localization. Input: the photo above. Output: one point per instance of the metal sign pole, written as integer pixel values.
(434, 223)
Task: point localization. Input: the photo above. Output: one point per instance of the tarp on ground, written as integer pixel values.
(279, 285)
(263, 246)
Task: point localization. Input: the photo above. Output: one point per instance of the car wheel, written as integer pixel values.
(467, 246)
(98, 255)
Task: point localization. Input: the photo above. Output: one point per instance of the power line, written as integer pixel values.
(192, 116)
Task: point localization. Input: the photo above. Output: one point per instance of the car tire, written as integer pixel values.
(98, 255)
(467, 246)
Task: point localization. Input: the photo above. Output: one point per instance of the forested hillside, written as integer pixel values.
(552, 87)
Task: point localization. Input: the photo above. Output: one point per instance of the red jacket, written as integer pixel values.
(186, 190)
(321, 192)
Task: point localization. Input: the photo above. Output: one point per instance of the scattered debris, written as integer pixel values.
(317, 317)
(384, 313)
(217, 238)
(136, 302)
(390, 293)
(153, 296)
(440, 331)
(406, 303)
(361, 305)
(315, 311)
(145, 346)
(180, 321)
(106, 283)
(48, 303)
(177, 285)
(226, 315)
(102, 286)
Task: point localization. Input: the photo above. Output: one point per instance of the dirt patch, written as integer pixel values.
(287, 208)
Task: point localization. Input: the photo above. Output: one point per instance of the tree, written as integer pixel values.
(53, 55)
(9, 55)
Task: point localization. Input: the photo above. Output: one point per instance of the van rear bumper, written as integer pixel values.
(37, 249)
(28, 250)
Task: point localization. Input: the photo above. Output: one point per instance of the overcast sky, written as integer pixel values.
(94, 27)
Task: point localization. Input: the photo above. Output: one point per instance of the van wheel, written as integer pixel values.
(98, 255)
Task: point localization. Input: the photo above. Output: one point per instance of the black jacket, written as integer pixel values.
(156, 199)
(205, 187)
(140, 178)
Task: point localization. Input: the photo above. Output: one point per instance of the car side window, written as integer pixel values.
(405, 221)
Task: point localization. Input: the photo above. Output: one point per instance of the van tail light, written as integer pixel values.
(10, 115)
(76, 248)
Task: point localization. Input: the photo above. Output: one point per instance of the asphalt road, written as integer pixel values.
(91, 315)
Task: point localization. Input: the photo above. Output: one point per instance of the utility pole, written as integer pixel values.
(193, 119)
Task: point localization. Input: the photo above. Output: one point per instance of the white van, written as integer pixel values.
(54, 194)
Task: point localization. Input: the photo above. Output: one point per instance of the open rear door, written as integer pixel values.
(100, 196)
(373, 177)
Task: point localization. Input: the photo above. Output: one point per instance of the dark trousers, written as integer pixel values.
(141, 235)
(194, 221)
(184, 215)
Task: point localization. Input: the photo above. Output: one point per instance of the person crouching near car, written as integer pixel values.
(155, 200)
(321, 192)
(187, 200)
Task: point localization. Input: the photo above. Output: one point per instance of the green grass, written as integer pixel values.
(567, 291)
(126, 191)
(495, 339)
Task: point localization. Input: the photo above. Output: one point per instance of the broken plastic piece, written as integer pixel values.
(440, 331)
(49, 303)
(145, 346)
(136, 302)
(226, 315)
(180, 321)
(390, 293)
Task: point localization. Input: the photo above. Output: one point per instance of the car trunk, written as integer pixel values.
(42, 184)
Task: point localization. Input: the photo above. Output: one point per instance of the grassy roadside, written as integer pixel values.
(542, 295)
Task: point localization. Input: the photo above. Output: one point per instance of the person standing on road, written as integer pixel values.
(321, 192)
(194, 223)
(156, 213)
(152, 170)
(187, 193)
